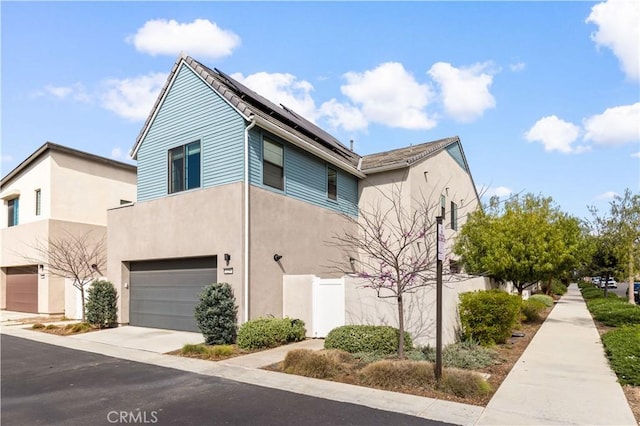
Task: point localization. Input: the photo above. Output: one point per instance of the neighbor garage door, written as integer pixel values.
(22, 289)
(165, 293)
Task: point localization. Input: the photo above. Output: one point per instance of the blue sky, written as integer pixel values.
(545, 96)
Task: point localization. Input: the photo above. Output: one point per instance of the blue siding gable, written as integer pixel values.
(455, 151)
(305, 176)
(192, 111)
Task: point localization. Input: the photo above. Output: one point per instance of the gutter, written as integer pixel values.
(245, 271)
(387, 168)
(306, 146)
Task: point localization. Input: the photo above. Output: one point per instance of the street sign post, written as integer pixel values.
(441, 248)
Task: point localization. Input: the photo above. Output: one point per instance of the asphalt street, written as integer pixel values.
(50, 385)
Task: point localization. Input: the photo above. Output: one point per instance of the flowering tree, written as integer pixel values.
(395, 241)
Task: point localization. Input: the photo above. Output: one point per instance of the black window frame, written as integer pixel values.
(454, 216)
(38, 202)
(13, 212)
(332, 187)
(272, 173)
(186, 181)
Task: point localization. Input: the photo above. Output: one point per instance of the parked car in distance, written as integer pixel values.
(636, 292)
(596, 281)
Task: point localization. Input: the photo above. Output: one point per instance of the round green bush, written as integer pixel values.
(488, 317)
(270, 332)
(366, 338)
(101, 306)
(547, 300)
(531, 309)
(217, 314)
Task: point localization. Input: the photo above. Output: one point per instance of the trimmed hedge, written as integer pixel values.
(622, 346)
(547, 300)
(488, 317)
(270, 332)
(101, 306)
(366, 338)
(217, 314)
(531, 309)
(614, 312)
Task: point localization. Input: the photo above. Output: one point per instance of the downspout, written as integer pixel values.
(245, 271)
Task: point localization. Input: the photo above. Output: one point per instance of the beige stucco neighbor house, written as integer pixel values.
(55, 191)
(234, 188)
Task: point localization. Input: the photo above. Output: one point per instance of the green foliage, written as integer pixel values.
(319, 365)
(80, 327)
(366, 338)
(463, 384)
(191, 349)
(270, 332)
(622, 346)
(37, 326)
(467, 355)
(546, 300)
(614, 312)
(531, 309)
(558, 288)
(528, 239)
(101, 306)
(206, 351)
(217, 314)
(488, 317)
(589, 293)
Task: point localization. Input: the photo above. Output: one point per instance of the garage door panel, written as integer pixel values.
(22, 289)
(164, 293)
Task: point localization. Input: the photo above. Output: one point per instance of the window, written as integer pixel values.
(454, 266)
(38, 202)
(184, 167)
(454, 216)
(332, 183)
(13, 205)
(273, 164)
(443, 203)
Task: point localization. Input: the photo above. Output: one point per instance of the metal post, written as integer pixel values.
(440, 256)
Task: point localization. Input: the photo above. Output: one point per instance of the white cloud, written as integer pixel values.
(519, 66)
(201, 38)
(283, 89)
(5, 158)
(343, 115)
(499, 191)
(116, 153)
(617, 22)
(133, 98)
(615, 126)
(76, 91)
(388, 95)
(555, 135)
(636, 155)
(465, 90)
(609, 195)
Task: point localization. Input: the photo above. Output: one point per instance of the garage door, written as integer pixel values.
(165, 293)
(22, 289)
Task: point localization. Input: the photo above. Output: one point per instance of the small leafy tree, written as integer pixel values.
(102, 309)
(217, 314)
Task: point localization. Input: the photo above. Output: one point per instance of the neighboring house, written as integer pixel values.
(54, 192)
(233, 188)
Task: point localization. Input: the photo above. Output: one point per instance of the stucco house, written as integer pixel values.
(54, 192)
(234, 188)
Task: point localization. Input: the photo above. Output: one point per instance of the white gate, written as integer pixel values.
(328, 305)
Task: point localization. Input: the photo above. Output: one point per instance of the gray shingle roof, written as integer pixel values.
(404, 157)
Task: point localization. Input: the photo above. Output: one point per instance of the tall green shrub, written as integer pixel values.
(101, 306)
(488, 317)
(217, 314)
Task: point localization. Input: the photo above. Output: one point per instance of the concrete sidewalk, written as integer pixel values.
(563, 377)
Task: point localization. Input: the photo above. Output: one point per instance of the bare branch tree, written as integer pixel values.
(395, 241)
(80, 258)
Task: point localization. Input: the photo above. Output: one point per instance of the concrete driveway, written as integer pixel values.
(141, 338)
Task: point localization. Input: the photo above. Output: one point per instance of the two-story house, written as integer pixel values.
(233, 188)
(55, 192)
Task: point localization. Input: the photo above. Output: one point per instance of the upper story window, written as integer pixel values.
(443, 205)
(38, 202)
(273, 164)
(332, 183)
(13, 207)
(454, 216)
(184, 167)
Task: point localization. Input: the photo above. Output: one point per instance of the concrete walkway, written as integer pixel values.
(563, 377)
